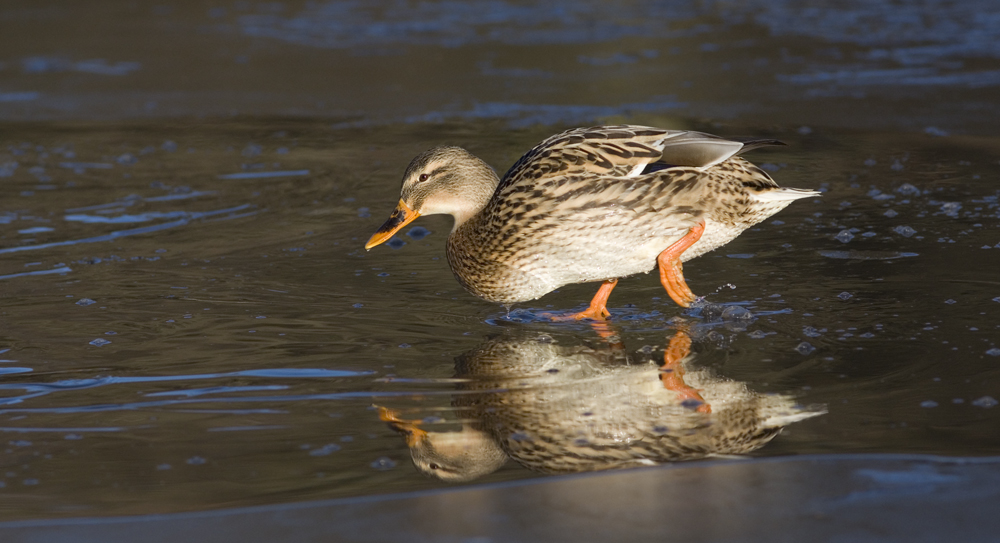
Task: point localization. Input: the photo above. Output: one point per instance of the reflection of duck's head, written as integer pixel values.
(569, 408)
(454, 457)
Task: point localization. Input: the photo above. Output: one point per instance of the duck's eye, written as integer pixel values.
(423, 177)
(434, 467)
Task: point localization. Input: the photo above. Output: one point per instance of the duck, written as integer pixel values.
(553, 405)
(589, 204)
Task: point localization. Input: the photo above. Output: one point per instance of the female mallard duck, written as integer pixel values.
(589, 204)
(561, 407)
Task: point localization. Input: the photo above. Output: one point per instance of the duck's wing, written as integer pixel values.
(675, 199)
(624, 151)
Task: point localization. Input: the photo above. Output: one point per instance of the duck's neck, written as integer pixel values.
(481, 183)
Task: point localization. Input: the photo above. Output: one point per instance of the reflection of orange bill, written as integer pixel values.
(401, 216)
(414, 435)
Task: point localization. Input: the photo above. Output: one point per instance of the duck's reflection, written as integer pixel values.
(559, 408)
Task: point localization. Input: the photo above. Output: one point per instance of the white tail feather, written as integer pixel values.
(782, 194)
(784, 418)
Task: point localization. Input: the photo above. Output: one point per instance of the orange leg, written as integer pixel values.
(671, 271)
(598, 306)
(673, 373)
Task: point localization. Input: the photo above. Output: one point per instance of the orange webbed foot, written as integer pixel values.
(598, 310)
(672, 271)
(672, 373)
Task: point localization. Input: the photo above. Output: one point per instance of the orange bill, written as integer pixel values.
(409, 428)
(401, 216)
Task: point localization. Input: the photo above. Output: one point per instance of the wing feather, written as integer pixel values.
(622, 151)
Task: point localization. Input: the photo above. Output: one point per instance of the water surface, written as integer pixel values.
(191, 321)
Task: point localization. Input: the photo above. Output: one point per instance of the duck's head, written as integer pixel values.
(442, 180)
(454, 457)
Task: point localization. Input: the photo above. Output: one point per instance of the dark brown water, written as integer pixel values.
(189, 319)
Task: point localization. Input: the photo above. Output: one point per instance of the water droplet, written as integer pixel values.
(99, 342)
(736, 313)
(928, 404)
(196, 460)
(844, 236)
(805, 348)
(845, 295)
(85, 302)
(951, 208)
(383, 463)
(904, 231)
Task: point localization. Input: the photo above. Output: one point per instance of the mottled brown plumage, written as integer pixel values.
(589, 204)
(558, 409)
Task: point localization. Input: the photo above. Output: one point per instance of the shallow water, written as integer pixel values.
(179, 337)
(189, 319)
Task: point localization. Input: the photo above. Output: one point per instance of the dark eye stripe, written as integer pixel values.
(432, 173)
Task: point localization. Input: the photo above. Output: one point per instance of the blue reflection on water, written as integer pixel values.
(188, 217)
